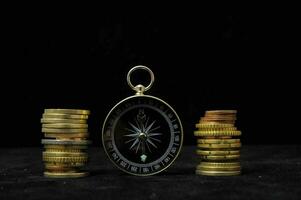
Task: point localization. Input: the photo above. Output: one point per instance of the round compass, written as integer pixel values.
(142, 135)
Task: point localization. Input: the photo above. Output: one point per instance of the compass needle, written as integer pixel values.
(151, 138)
(142, 128)
(138, 124)
(132, 135)
(146, 123)
(149, 141)
(150, 126)
(134, 127)
(148, 147)
(138, 146)
(130, 140)
(130, 130)
(154, 129)
(154, 134)
(134, 143)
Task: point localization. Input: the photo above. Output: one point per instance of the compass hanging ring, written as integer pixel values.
(140, 88)
(142, 135)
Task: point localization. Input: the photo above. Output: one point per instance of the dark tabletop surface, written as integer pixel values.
(269, 172)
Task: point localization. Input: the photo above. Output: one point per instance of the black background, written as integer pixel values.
(201, 61)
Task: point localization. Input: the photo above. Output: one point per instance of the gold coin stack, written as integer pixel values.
(218, 144)
(65, 154)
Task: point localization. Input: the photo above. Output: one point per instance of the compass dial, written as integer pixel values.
(142, 135)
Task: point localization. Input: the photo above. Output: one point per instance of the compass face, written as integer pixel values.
(142, 135)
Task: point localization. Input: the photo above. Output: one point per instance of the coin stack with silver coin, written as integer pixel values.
(218, 144)
(65, 143)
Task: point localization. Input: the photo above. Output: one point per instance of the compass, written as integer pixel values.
(142, 135)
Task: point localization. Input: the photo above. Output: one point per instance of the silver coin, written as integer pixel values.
(66, 142)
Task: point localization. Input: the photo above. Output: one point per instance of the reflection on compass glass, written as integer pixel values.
(142, 135)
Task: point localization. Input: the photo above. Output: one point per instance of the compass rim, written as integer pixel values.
(177, 117)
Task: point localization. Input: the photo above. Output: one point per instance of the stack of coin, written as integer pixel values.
(65, 153)
(218, 144)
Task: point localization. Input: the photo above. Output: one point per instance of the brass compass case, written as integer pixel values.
(142, 135)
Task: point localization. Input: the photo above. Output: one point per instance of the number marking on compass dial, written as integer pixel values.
(142, 135)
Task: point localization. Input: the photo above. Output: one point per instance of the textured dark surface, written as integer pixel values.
(269, 172)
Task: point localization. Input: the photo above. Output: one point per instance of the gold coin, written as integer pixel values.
(217, 153)
(64, 116)
(225, 117)
(65, 150)
(65, 142)
(58, 168)
(222, 111)
(220, 164)
(72, 164)
(218, 117)
(207, 168)
(65, 147)
(217, 121)
(65, 174)
(217, 141)
(220, 114)
(213, 125)
(218, 129)
(59, 120)
(64, 154)
(217, 133)
(67, 136)
(225, 157)
(220, 122)
(219, 146)
(217, 173)
(225, 121)
(65, 125)
(57, 159)
(68, 111)
(217, 137)
(64, 131)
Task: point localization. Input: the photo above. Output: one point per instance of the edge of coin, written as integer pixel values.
(65, 142)
(67, 111)
(217, 173)
(65, 174)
